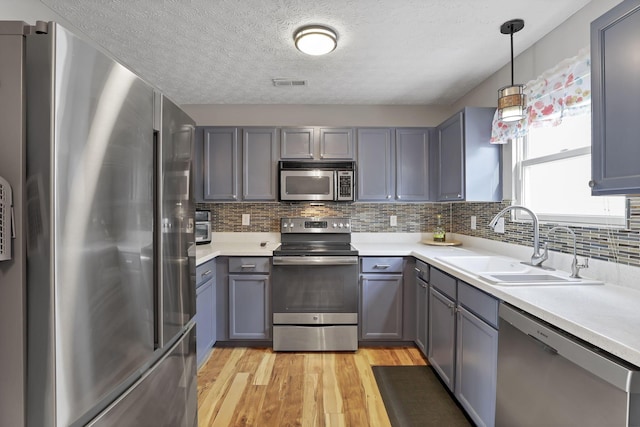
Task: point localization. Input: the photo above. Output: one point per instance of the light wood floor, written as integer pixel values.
(257, 387)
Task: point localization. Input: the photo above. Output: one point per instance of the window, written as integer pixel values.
(552, 171)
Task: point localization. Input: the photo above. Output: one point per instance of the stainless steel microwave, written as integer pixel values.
(317, 181)
(203, 226)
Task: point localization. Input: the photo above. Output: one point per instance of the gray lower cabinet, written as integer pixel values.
(442, 335)
(476, 367)
(615, 92)
(463, 343)
(393, 164)
(205, 317)
(381, 307)
(249, 298)
(468, 164)
(381, 298)
(422, 306)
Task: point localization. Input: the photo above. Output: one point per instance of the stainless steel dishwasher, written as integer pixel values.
(547, 377)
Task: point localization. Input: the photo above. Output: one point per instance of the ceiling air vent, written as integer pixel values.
(288, 82)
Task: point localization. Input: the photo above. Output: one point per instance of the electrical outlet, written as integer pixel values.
(499, 228)
(473, 222)
(246, 219)
(393, 220)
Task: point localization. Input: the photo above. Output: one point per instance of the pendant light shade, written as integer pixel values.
(315, 40)
(512, 102)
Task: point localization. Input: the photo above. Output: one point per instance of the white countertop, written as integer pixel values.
(607, 316)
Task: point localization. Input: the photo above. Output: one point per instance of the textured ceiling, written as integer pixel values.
(389, 51)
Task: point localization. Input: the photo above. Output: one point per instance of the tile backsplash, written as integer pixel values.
(621, 245)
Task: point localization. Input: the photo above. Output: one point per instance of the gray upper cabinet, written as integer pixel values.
(412, 164)
(259, 163)
(374, 149)
(234, 159)
(468, 165)
(317, 143)
(393, 164)
(297, 143)
(220, 165)
(615, 89)
(336, 143)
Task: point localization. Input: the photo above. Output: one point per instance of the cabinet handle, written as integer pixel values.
(416, 269)
(248, 266)
(388, 196)
(206, 273)
(382, 266)
(592, 183)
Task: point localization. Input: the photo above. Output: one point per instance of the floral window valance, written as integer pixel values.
(562, 91)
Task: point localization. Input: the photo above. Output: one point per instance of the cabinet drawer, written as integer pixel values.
(382, 265)
(205, 272)
(482, 305)
(443, 282)
(249, 264)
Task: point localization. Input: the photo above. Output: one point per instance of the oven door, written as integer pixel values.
(315, 289)
(303, 185)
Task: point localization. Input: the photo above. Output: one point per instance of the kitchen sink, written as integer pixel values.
(485, 264)
(534, 278)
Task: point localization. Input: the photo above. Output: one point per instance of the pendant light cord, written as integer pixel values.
(511, 31)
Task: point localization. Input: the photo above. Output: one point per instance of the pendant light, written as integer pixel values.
(512, 102)
(315, 40)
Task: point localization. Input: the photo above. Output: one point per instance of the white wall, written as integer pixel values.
(563, 42)
(318, 115)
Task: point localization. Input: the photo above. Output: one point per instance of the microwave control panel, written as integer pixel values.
(345, 185)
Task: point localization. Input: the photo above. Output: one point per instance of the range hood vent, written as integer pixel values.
(288, 82)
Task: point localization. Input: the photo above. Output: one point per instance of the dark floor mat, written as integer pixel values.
(413, 396)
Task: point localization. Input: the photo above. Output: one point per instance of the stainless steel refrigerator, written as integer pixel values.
(97, 286)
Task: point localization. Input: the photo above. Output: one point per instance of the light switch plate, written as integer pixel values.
(473, 222)
(246, 219)
(393, 220)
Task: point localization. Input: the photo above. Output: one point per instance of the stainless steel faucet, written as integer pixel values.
(537, 258)
(575, 266)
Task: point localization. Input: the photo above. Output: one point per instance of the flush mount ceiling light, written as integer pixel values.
(512, 102)
(315, 40)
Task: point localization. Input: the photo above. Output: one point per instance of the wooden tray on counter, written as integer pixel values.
(445, 243)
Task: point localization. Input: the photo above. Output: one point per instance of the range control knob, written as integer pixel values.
(335, 225)
(340, 225)
(285, 225)
(347, 225)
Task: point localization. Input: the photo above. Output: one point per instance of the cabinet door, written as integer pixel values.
(422, 301)
(221, 163)
(615, 85)
(205, 320)
(412, 164)
(374, 164)
(336, 143)
(259, 163)
(451, 159)
(442, 332)
(249, 307)
(476, 367)
(297, 143)
(381, 307)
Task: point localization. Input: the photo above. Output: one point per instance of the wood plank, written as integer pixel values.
(228, 408)
(331, 396)
(265, 368)
(376, 412)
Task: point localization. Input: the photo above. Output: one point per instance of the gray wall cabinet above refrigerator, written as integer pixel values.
(615, 93)
(468, 165)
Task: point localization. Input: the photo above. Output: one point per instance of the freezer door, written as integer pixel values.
(90, 242)
(166, 396)
(177, 226)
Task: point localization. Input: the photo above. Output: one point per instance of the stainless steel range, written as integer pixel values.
(315, 286)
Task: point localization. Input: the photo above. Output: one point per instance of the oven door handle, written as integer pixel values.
(315, 260)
